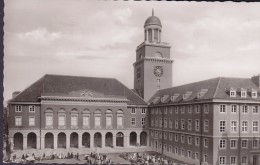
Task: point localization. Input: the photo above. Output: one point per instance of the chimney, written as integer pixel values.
(16, 93)
(256, 80)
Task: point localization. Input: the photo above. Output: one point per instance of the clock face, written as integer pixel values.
(158, 71)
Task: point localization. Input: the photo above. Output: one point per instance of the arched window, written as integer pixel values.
(109, 118)
(49, 118)
(62, 118)
(97, 115)
(120, 117)
(74, 118)
(86, 118)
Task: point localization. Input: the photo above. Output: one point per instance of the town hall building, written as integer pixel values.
(210, 122)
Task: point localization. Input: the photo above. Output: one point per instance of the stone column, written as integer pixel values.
(114, 141)
(80, 141)
(67, 141)
(91, 140)
(42, 142)
(103, 141)
(25, 142)
(38, 142)
(138, 139)
(11, 141)
(152, 35)
(159, 35)
(126, 141)
(55, 141)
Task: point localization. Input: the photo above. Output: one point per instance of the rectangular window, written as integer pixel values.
(86, 121)
(182, 124)
(206, 142)
(255, 126)
(244, 143)
(160, 122)
(255, 109)
(31, 121)
(170, 136)
(244, 159)
(205, 158)
(97, 121)
(109, 121)
(189, 140)
(222, 108)
(61, 120)
(152, 122)
(222, 126)
(233, 108)
(170, 110)
(233, 143)
(156, 122)
(165, 110)
(176, 110)
(182, 152)
(232, 93)
(170, 148)
(176, 150)
(245, 109)
(182, 109)
(189, 125)
(233, 126)
(197, 109)
(133, 121)
(206, 126)
(31, 108)
(243, 93)
(233, 160)
(222, 160)
(197, 156)
(222, 144)
(74, 120)
(165, 135)
(119, 121)
(165, 123)
(176, 137)
(189, 154)
(18, 120)
(197, 124)
(182, 139)
(255, 143)
(133, 111)
(18, 108)
(170, 123)
(206, 108)
(244, 126)
(176, 124)
(197, 141)
(189, 109)
(143, 121)
(160, 135)
(49, 120)
(254, 94)
(143, 110)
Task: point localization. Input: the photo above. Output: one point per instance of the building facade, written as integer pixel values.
(214, 121)
(76, 112)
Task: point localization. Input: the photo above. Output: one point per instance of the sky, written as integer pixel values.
(99, 39)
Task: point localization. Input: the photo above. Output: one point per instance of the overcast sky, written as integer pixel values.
(99, 39)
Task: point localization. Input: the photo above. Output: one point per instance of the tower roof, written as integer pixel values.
(152, 20)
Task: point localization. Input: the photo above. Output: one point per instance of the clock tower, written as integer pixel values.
(153, 66)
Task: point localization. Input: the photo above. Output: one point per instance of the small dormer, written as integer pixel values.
(201, 93)
(186, 95)
(156, 100)
(254, 93)
(165, 99)
(243, 93)
(174, 97)
(232, 92)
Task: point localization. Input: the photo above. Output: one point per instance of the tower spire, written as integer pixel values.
(152, 13)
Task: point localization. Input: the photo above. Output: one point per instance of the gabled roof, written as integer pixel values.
(217, 88)
(62, 84)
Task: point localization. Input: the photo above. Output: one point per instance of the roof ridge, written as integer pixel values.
(219, 78)
(78, 76)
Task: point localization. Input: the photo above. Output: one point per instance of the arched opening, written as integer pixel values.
(61, 140)
(109, 139)
(18, 141)
(120, 139)
(74, 140)
(133, 138)
(31, 140)
(86, 140)
(49, 140)
(143, 139)
(97, 140)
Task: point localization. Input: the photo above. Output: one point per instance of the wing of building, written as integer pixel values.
(69, 111)
(214, 121)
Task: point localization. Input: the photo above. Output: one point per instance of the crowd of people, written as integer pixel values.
(144, 158)
(96, 158)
